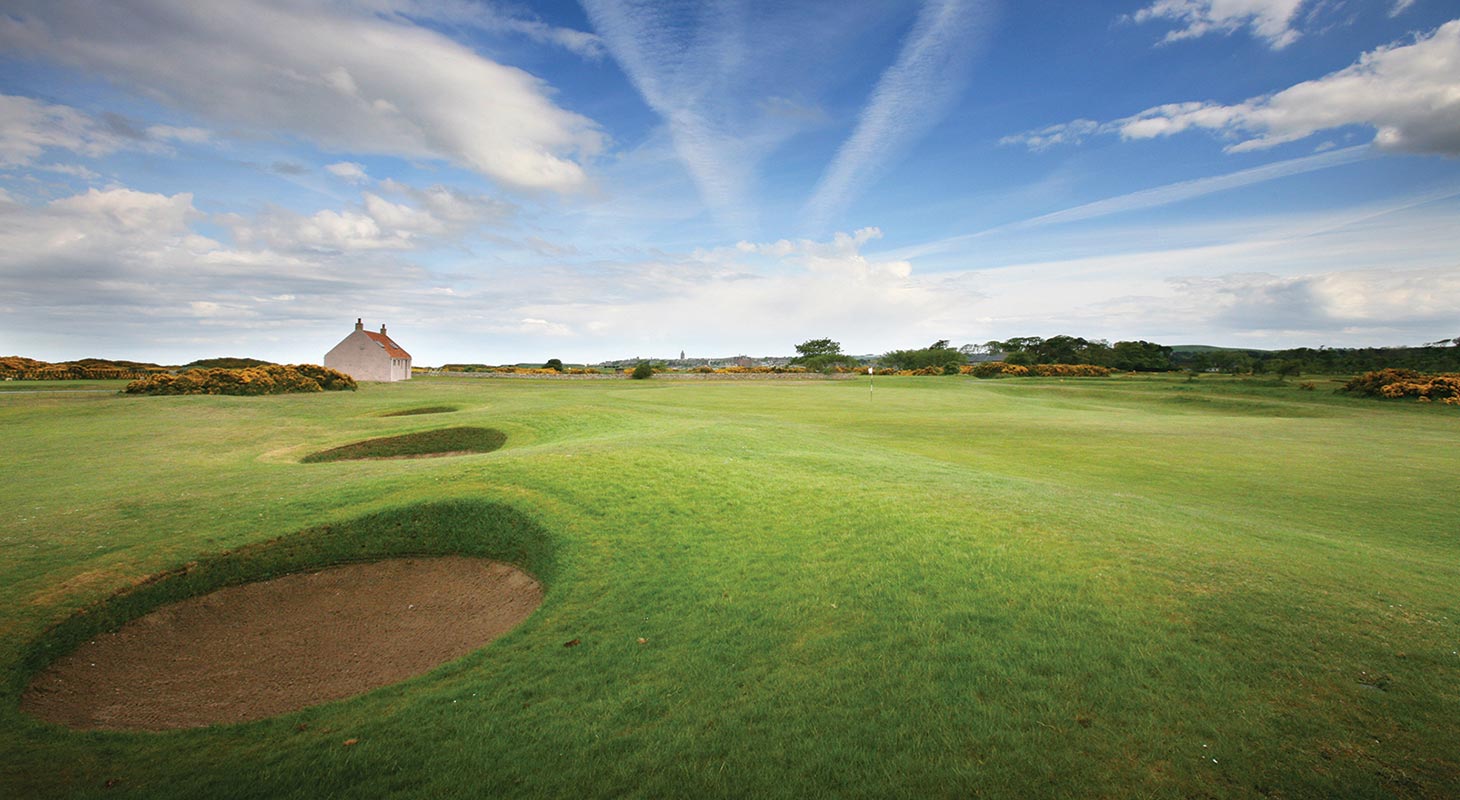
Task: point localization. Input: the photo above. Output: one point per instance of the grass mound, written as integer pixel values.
(411, 445)
(411, 412)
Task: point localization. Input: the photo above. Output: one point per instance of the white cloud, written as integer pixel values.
(190, 135)
(1385, 273)
(30, 127)
(909, 99)
(840, 256)
(793, 290)
(1269, 19)
(1374, 300)
(549, 249)
(325, 231)
(542, 327)
(126, 271)
(422, 218)
(1040, 140)
(344, 78)
(453, 207)
(1400, 6)
(1410, 93)
(123, 212)
(349, 171)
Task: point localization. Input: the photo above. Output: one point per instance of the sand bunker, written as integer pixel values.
(259, 649)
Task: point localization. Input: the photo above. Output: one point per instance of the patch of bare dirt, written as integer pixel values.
(259, 649)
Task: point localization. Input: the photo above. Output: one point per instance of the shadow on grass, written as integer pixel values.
(446, 441)
(455, 527)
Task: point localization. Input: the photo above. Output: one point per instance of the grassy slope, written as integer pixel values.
(1124, 587)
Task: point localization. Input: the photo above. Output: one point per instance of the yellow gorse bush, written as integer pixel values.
(1396, 383)
(269, 379)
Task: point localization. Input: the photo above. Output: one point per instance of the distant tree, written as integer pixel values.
(1141, 356)
(821, 355)
(938, 355)
(1061, 350)
(1231, 361)
(1020, 344)
(812, 348)
(1285, 368)
(554, 364)
(642, 370)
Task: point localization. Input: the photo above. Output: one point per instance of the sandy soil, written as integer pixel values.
(260, 649)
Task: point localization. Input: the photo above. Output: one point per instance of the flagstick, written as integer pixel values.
(869, 383)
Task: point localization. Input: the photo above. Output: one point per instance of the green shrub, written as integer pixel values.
(642, 371)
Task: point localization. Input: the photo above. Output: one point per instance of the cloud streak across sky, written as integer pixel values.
(909, 98)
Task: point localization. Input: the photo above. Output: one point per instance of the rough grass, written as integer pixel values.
(442, 442)
(1032, 588)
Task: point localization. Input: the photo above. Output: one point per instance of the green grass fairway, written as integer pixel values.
(1116, 588)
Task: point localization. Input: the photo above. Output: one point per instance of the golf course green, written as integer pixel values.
(1134, 586)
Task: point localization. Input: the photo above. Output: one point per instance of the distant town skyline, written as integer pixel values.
(504, 182)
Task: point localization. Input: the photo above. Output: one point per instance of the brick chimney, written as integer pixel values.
(359, 325)
(382, 330)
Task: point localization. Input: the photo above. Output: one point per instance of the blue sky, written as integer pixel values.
(504, 182)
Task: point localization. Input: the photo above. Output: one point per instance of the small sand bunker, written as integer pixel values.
(259, 649)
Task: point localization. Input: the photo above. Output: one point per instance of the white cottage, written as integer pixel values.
(369, 356)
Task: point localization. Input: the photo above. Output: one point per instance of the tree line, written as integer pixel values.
(1144, 356)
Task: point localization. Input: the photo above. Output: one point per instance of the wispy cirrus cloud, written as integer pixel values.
(492, 17)
(1408, 92)
(1158, 196)
(689, 65)
(910, 98)
(733, 80)
(1186, 190)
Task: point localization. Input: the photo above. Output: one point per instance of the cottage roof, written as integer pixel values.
(391, 347)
